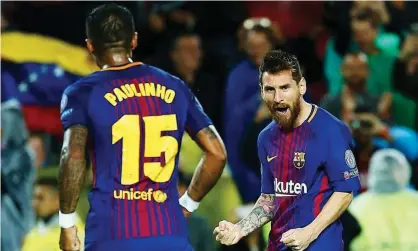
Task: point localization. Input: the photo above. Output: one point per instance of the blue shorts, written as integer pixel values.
(160, 243)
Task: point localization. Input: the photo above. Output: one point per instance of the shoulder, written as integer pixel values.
(82, 85)
(325, 122)
(79, 91)
(167, 77)
(266, 132)
(244, 65)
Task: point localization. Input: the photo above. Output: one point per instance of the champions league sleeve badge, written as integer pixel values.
(350, 159)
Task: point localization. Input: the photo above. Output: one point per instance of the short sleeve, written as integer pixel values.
(267, 179)
(73, 108)
(340, 165)
(196, 117)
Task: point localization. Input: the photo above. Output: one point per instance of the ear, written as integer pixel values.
(90, 46)
(302, 86)
(134, 42)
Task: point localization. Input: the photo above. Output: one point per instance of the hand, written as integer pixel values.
(69, 240)
(385, 105)
(347, 99)
(408, 48)
(228, 233)
(186, 213)
(298, 239)
(378, 127)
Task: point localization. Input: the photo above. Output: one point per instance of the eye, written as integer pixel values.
(285, 87)
(268, 89)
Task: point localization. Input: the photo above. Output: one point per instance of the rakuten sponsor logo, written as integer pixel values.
(289, 189)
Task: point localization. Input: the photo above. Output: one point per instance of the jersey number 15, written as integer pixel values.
(128, 129)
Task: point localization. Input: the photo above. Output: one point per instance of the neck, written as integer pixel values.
(115, 59)
(356, 88)
(305, 111)
(185, 74)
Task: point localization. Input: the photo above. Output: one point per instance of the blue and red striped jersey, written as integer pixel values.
(136, 116)
(303, 167)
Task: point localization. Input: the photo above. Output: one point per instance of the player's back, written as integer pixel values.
(136, 116)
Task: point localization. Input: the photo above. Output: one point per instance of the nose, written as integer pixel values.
(277, 96)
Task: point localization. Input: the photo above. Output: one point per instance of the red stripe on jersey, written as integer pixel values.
(133, 219)
(319, 198)
(112, 214)
(293, 174)
(119, 153)
(125, 202)
(286, 172)
(144, 224)
(93, 161)
(175, 225)
(150, 209)
(152, 184)
(160, 216)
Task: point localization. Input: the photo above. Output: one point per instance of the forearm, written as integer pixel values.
(207, 173)
(332, 210)
(72, 169)
(261, 213)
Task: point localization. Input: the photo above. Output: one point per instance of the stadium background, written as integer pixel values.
(214, 47)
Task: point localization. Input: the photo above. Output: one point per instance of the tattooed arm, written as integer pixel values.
(261, 213)
(211, 166)
(72, 168)
(228, 233)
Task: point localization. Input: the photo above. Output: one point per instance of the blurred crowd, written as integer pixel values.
(360, 60)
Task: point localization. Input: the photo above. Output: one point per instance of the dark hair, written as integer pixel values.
(110, 26)
(178, 36)
(367, 15)
(267, 31)
(276, 61)
(48, 181)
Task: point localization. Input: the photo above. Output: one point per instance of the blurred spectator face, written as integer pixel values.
(355, 70)
(257, 45)
(187, 53)
(364, 34)
(45, 201)
(282, 95)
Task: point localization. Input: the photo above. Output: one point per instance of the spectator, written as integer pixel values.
(381, 49)
(17, 177)
(200, 233)
(387, 212)
(186, 57)
(365, 114)
(243, 105)
(45, 234)
(405, 74)
(354, 95)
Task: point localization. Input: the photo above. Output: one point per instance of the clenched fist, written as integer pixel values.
(69, 240)
(228, 233)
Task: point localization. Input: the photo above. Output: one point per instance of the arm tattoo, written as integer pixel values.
(261, 213)
(210, 133)
(211, 166)
(72, 168)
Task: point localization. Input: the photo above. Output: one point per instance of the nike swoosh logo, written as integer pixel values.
(270, 159)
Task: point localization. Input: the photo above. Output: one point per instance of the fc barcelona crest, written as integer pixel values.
(299, 160)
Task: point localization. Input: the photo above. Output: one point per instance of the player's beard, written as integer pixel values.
(285, 114)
